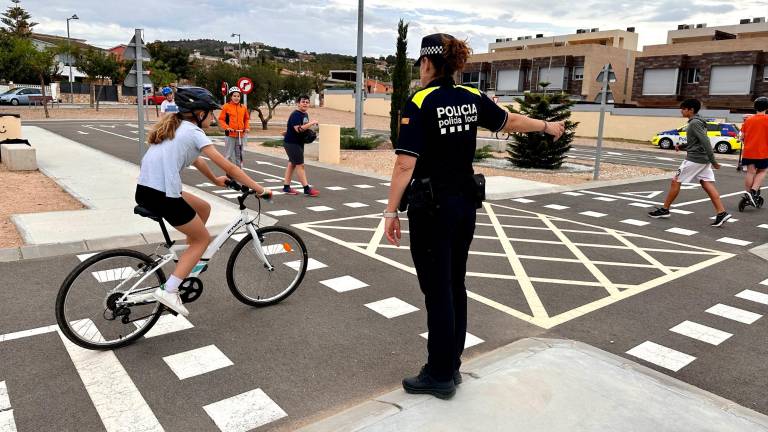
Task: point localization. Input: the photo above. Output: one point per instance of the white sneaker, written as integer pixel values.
(172, 300)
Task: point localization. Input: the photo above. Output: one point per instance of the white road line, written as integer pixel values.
(376, 238)
(614, 153)
(635, 222)
(205, 185)
(7, 424)
(556, 207)
(231, 195)
(682, 231)
(280, 213)
(320, 208)
(734, 241)
(732, 313)
(622, 197)
(336, 188)
(643, 205)
(391, 307)
(344, 284)
(386, 184)
(83, 257)
(355, 205)
(470, 340)
(244, 412)
(593, 214)
(701, 332)
(5, 401)
(223, 191)
(112, 275)
(27, 333)
(82, 133)
(362, 186)
(753, 296)
(523, 200)
(197, 361)
(383, 201)
(661, 356)
(114, 395)
(573, 193)
(763, 226)
(706, 199)
(165, 325)
(606, 199)
(678, 211)
(312, 264)
(112, 133)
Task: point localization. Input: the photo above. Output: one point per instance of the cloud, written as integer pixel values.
(331, 25)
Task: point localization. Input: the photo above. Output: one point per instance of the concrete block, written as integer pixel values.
(115, 242)
(52, 249)
(10, 126)
(496, 145)
(18, 157)
(330, 144)
(10, 254)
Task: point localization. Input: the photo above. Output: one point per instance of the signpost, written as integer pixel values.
(606, 75)
(224, 88)
(136, 78)
(246, 86)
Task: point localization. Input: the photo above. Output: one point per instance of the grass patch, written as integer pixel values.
(363, 143)
(273, 143)
(347, 131)
(483, 153)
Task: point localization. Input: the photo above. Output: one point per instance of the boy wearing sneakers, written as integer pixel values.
(298, 123)
(697, 166)
(755, 152)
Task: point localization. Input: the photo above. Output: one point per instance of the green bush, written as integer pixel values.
(273, 143)
(347, 131)
(363, 143)
(483, 153)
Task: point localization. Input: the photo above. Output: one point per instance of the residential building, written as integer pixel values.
(204, 58)
(569, 63)
(118, 51)
(373, 86)
(65, 61)
(725, 66)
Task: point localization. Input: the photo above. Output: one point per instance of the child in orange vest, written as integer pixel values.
(234, 119)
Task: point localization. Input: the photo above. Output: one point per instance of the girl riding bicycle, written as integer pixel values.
(176, 142)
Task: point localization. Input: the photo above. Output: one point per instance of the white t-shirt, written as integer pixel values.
(168, 106)
(162, 163)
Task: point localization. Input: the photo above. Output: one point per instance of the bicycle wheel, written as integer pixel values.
(87, 309)
(252, 282)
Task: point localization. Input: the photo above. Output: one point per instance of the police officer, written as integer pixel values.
(435, 150)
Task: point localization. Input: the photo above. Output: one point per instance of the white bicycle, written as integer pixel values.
(106, 301)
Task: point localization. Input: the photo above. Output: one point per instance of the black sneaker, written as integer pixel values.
(457, 379)
(751, 198)
(720, 219)
(423, 383)
(659, 213)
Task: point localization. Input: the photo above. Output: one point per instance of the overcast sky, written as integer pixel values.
(331, 25)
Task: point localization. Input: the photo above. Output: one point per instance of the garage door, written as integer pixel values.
(555, 77)
(508, 80)
(731, 80)
(660, 82)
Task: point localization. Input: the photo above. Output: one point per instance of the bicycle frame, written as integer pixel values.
(242, 220)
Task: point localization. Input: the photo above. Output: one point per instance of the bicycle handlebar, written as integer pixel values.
(246, 190)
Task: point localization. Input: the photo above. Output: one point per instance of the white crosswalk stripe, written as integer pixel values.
(732, 313)
(661, 356)
(701, 332)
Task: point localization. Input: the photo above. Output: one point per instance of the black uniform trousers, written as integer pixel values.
(440, 238)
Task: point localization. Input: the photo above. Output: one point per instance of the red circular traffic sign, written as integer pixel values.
(224, 88)
(245, 84)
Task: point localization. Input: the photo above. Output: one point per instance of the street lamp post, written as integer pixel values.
(359, 73)
(239, 48)
(69, 57)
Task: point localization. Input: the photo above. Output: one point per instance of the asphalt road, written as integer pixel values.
(586, 265)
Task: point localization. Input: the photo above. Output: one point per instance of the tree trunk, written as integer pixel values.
(92, 96)
(264, 121)
(42, 91)
(98, 96)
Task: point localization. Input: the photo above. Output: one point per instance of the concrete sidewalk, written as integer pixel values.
(552, 385)
(106, 185)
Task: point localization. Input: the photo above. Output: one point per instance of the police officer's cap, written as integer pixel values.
(432, 45)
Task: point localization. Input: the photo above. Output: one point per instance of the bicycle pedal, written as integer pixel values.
(171, 311)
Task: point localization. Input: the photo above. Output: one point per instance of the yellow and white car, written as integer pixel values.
(723, 136)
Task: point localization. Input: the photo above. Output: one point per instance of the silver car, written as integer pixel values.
(19, 96)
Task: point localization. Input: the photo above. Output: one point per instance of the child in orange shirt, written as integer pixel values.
(754, 154)
(234, 119)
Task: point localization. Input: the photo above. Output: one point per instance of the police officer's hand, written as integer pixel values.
(556, 129)
(392, 230)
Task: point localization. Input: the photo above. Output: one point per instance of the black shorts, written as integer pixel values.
(295, 152)
(758, 163)
(174, 210)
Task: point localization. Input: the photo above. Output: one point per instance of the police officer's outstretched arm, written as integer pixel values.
(521, 123)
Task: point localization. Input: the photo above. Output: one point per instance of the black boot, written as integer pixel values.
(423, 383)
(457, 379)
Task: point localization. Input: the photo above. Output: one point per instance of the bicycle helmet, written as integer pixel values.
(190, 99)
(234, 89)
(761, 104)
(166, 91)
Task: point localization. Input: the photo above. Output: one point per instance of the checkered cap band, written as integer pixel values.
(432, 50)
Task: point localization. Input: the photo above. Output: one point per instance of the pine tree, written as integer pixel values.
(400, 82)
(16, 20)
(535, 149)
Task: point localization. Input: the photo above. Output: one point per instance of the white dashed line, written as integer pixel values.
(469, 341)
(573, 193)
(235, 195)
(222, 191)
(312, 264)
(733, 313)
(205, 185)
(363, 186)
(320, 208)
(606, 199)
(383, 201)
(344, 284)
(197, 361)
(734, 241)
(166, 324)
(556, 207)
(336, 188)
(5, 402)
(593, 214)
(643, 205)
(635, 222)
(355, 205)
(386, 184)
(244, 412)
(661, 356)
(7, 424)
(391, 307)
(701, 332)
(682, 231)
(754, 296)
(523, 200)
(280, 213)
(682, 212)
(763, 226)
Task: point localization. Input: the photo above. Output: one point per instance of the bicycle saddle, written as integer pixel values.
(143, 212)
